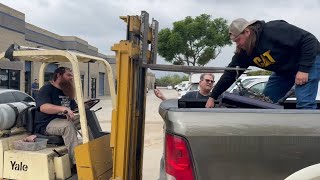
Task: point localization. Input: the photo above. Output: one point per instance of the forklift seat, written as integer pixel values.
(56, 140)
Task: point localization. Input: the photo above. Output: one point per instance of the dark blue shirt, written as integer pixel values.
(194, 95)
(35, 88)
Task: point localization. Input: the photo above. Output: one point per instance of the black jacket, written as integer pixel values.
(280, 47)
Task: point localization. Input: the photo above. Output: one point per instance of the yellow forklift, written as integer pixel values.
(94, 157)
(117, 155)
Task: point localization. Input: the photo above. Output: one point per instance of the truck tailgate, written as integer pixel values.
(246, 143)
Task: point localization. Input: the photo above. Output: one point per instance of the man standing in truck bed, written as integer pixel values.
(290, 52)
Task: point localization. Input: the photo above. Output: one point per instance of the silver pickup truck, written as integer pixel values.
(263, 142)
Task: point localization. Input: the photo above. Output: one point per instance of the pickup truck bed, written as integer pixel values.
(248, 144)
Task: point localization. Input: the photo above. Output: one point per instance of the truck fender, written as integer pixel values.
(308, 173)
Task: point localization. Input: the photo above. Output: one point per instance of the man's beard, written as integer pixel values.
(68, 88)
(248, 46)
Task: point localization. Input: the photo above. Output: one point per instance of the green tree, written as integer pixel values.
(259, 72)
(184, 78)
(171, 80)
(193, 41)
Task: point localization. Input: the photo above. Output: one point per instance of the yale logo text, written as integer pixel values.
(19, 166)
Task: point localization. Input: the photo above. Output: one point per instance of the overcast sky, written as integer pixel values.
(97, 21)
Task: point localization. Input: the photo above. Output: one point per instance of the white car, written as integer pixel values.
(258, 85)
(246, 81)
(191, 87)
(12, 95)
(182, 86)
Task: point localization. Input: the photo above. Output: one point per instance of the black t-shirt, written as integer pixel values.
(194, 95)
(51, 95)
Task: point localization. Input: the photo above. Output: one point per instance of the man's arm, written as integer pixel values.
(229, 76)
(52, 109)
(226, 79)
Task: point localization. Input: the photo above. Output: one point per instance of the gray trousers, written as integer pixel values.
(66, 129)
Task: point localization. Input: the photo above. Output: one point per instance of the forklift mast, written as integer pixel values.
(128, 119)
(133, 57)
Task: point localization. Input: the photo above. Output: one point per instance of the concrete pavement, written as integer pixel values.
(153, 140)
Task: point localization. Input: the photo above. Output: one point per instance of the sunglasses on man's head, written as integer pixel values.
(209, 80)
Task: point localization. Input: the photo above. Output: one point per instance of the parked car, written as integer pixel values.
(256, 85)
(191, 87)
(12, 95)
(182, 86)
(245, 81)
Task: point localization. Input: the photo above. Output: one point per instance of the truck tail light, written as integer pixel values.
(177, 158)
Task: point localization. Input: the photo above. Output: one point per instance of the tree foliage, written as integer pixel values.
(259, 72)
(171, 80)
(193, 41)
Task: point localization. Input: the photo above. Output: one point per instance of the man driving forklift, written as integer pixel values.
(55, 106)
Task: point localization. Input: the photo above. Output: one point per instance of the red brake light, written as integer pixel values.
(177, 158)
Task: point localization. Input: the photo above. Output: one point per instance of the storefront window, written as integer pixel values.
(14, 79)
(4, 78)
(10, 79)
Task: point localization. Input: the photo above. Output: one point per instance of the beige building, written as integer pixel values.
(20, 75)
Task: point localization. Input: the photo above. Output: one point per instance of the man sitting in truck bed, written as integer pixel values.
(205, 85)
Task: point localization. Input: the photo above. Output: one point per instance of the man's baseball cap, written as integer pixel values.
(237, 26)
